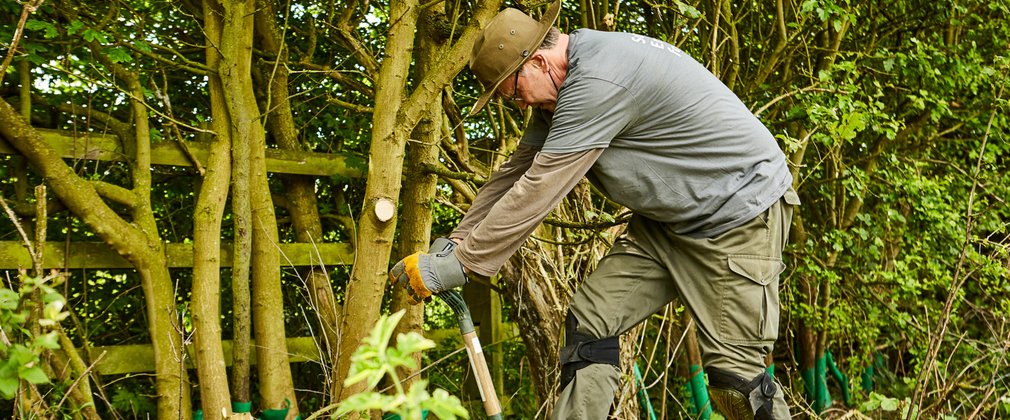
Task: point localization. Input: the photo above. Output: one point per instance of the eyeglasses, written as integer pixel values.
(514, 97)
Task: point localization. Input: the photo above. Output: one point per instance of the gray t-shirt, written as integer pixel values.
(680, 147)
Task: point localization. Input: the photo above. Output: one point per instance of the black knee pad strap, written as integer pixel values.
(764, 384)
(583, 350)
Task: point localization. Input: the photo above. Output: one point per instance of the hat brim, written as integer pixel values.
(546, 22)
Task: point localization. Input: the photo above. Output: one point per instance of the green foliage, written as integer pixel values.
(890, 122)
(133, 403)
(375, 360)
(20, 346)
(881, 402)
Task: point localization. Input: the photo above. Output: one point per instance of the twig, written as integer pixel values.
(787, 95)
(29, 8)
(173, 127)
(922, 381)
(21, 230)
(83, 375)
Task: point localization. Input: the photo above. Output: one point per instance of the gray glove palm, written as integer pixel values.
(424, 274)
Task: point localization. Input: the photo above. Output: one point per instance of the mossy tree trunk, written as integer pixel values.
(207, 216)
(375, 234)
(299, 191)
(419, 185)
(395, 116)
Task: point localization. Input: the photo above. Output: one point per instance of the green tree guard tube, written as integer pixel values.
(699, 392)
(241, 407)
(822, 398)
(843, 381)
(646, 403)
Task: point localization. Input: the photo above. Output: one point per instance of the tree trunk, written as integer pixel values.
(418, 190)
(299, 190)
(275, 382)
(206, 301)
(375, 236)
(210, 205)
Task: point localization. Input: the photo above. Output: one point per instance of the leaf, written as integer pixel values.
(118, 55)
(34, 375)
(445, 406)
(50, 29)
(889, 404)
(19, 355)
(413, 342)
(95, 35)
(74, 27)
(687, 10)
(49, 341)
(54, 312)
(9, 299)
(8, 386)
(367, 401)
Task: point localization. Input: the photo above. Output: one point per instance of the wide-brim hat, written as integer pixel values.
(507, 42)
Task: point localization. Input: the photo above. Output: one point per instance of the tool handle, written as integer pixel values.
(484, 384)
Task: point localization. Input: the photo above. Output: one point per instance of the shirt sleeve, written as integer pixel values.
(591, 112)
(495, 187)
(521, 208)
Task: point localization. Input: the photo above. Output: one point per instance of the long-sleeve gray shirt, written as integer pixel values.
(652, 128)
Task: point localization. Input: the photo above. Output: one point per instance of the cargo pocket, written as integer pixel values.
(750, 299)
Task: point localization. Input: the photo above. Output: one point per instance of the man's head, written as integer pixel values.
(505, 45)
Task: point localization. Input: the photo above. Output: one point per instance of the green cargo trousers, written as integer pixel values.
(729, 283)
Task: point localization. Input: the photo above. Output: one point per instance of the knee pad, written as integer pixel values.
(582, 350)
(738, 398)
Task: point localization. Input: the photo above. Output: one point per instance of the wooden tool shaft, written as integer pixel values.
(484, 384)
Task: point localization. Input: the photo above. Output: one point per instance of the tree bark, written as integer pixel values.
(210, 364)
(419, 189)
(375, 236)
(299, 190)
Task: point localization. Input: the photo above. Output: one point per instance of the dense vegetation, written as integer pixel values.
(894, 116)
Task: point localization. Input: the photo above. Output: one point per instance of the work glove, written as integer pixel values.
(425, 274)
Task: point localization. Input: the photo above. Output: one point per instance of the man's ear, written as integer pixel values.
(539, 61)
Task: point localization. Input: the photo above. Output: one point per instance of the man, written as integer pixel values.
(659, 134)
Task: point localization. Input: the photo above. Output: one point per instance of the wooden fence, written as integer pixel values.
(123, 359)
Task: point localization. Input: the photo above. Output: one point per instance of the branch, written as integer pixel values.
(178, 60)
(442, 171)
(790, 94)
(337, 75)
(21, 230)
(29, 8)
(120, 128)
(349, 106)
(115, 193)
(620, 220)
(166, 101)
